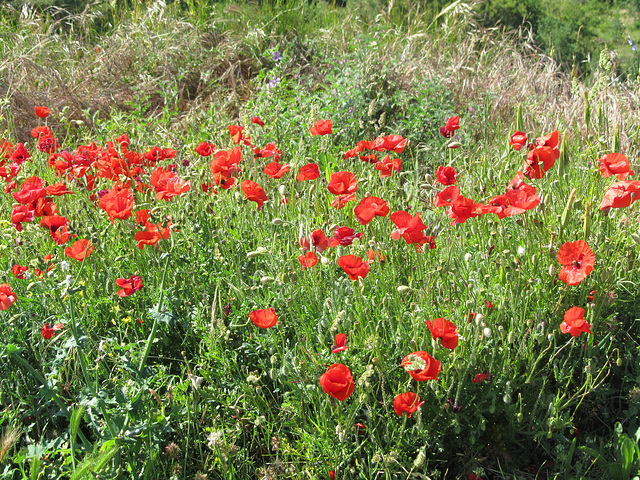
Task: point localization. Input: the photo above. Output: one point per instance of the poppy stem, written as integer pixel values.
(154, 327)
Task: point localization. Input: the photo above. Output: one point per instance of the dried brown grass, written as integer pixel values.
(161, 62)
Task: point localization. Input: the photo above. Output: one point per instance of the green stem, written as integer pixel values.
(154, 327)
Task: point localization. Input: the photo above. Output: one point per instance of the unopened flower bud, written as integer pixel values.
(325, 261)
(267, 280)
(238, 196)
(487, 332)
(278, 221)
(403, 289)
(283, 189)
(512, 337)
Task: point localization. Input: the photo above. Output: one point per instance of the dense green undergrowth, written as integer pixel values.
(175, 381)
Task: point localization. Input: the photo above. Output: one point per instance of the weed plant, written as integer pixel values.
(176, 379)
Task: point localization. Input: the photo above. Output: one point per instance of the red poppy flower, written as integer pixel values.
(446, 197)
(372, 255)
(257, 121)
(518, 140)
(308, 260)
(53, 223)
(448, 130)
(129, 285)
(446, 175)
(389, 143)
(370, 207)
(578, 260)
(310, 171)
(167, 184)
(341, 200)
(62, 235)
(276, 170)
(31, 190)
(615, 164)
(407, 402)
(352, 152)
(268, 151)
(342, 183)
(319, 240)
(225, 163)
(7, 296)
(254, 192)
(80, 250)
(42, 112)
(18, 271)
(322, 127)
(574, 322)
(446, 330)
(21, 213)
(265, 318)
(238, 135)
(370, 158)
(44, 207)
(118, 203)
(545, 151)
(57, 189)
(387, 166)
(344, 236)
(205, 149)
(479, 378)
(421, 366)
(409, 227)
(453, 123)
(337, 381)
(620, 194)
(49, 331)
(354, 266)
(462, 209)
(147, 237)
(340, 343)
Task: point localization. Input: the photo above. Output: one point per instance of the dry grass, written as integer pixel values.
(159, 62)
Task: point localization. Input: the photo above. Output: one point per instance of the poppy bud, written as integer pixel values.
(507, 398)
(454, 145)
(635, 237)
(512, 337)
(550, 337)
(552, 271)
(282, 189)
(619, 362)
(519, 417)
(403, 289)
(325, 261)
(267, 280)
(262, 251)
(278, 221)
(487, 332)
(426, 186)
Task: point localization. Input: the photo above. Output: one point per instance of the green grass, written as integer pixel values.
(174, 381)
